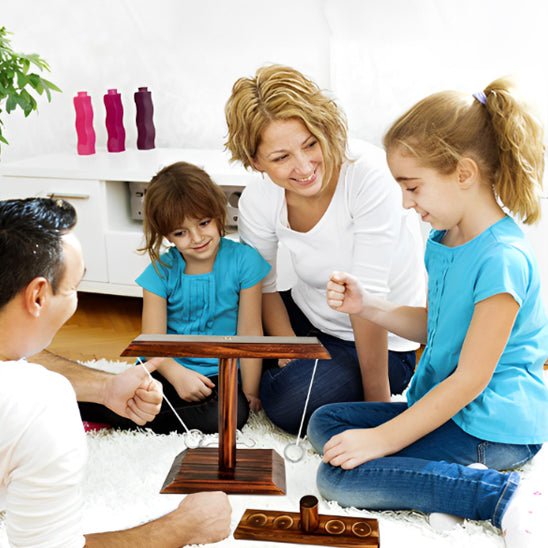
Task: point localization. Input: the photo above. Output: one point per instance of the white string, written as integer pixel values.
(140, 362)
(306, 403)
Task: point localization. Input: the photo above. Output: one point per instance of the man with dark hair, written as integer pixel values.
(32, 249)
(42, 442)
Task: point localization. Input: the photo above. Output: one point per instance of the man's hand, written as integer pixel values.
(133, 394)
(203, 518)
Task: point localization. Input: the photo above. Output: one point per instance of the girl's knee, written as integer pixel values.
(321, 426)
(345, 488)
(314, 432)
(328, 480)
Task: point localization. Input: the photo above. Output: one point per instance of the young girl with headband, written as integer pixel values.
(204, 284)
(478, 395)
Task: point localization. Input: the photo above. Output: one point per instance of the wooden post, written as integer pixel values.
(228, 414)
(310, 519)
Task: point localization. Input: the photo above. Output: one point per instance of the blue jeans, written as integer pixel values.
(430, 475)
(283, 390)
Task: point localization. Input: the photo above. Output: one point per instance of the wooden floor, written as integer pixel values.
(102, 327)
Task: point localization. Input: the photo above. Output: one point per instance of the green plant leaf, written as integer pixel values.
(51, 85)
(25, 65)
(11, 103)
(26, 102)
(22, 80)
(35, 59)
(15, 81)
(36, 82)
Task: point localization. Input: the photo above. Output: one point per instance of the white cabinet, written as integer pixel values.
(88, 198)
(98, 187)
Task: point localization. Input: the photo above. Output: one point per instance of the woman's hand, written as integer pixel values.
(190, 385)
(254, 401)
(354, 447)
(345, 294)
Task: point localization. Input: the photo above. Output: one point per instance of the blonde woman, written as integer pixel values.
(333, 206)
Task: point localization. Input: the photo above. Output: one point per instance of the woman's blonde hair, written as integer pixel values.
(177, 192)
(282, 93)
(493, 128)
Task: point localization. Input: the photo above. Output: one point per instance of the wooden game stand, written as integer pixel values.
(254, 471)
(307, 527)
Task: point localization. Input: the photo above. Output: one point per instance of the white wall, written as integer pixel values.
(387, 55)
(377, 57)
(189, 53)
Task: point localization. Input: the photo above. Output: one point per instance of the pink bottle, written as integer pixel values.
(84, 123)
(115, 121)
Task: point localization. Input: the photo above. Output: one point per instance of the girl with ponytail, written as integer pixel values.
(477, 405)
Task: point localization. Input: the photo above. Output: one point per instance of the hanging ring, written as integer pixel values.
(245, 441)
(193, 438)
(294, 452)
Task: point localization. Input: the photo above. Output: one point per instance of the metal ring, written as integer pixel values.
(193, 438)
(335, 527)
(257, 520)
(293, 452)
(283, 522)
(362, 529)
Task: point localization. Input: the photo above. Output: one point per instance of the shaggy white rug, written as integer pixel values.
(127, 469)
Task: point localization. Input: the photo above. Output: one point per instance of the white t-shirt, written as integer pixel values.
(43, 453)
(364, 231)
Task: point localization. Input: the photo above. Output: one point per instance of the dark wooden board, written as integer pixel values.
(226, 347)
(276, 526)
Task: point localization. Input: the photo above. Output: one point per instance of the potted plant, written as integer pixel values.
(17, 82)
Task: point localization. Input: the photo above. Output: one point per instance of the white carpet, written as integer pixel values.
(126, 471)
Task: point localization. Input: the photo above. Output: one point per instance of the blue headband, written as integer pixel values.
(480, 96)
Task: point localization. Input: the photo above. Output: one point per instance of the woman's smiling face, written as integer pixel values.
(292, 157)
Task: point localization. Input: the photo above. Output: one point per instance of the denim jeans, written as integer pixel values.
(283, 390)
(430, 475)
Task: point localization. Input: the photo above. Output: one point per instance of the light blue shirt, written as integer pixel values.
(205, 304)
(513, 408)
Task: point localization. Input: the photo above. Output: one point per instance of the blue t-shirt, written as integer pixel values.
(513, 408)
(205, 304)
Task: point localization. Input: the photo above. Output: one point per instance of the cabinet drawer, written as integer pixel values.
(88, 198)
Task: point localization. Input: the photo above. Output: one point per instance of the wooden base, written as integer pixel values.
(274, 526)
(257, 471)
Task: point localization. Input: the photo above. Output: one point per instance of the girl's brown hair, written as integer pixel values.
(282, 93)
(177, 192)
(493, 128)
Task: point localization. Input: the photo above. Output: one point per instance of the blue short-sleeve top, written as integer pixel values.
(205, 304)
(513, 408)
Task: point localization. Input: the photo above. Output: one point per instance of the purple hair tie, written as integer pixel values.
(480, 96)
